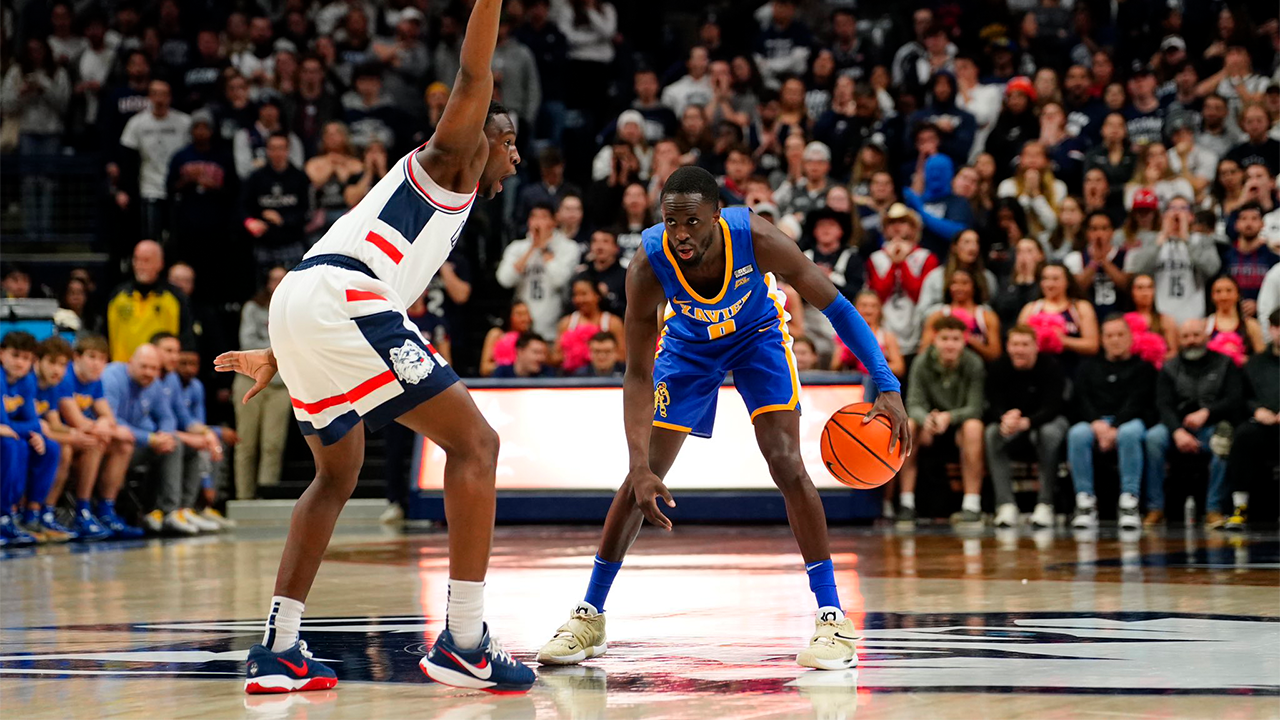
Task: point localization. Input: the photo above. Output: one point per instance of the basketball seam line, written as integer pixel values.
(868, 449)
(852, 474)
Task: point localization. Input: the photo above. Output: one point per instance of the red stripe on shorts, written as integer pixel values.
(350, 396)
(358, 295)
(385, 246)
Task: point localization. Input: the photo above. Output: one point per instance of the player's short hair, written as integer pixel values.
(948, 322)
(542, 205)
(19, 340)
(54, 347)
(603, 336)
(692, 180)
(524, 338)
(738, 148)
(495, 109)
(162, 335)
(279, 135)
(1023, 329)
(802, 340)
(90, 342)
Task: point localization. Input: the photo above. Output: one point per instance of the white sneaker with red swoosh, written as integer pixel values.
(485, 667)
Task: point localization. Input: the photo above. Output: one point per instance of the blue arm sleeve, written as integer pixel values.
(934, 224)
(855, 333)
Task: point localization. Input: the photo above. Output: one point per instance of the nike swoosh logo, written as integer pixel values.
(810, 567)
(681, 302)
(845, 637)
(482, 671)
(299, 670)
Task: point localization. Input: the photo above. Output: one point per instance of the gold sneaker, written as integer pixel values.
(580, 638)
(834, 642)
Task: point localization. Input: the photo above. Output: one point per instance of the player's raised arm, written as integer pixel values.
(461, 127)
(778, 253)
(644, 300)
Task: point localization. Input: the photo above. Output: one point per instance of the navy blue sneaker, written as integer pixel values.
(87, 527)
(120, 530)
(291, 670)
(487, 667)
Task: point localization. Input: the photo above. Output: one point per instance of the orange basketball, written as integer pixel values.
(857, 454)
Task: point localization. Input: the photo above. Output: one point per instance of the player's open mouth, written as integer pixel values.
(685, 252)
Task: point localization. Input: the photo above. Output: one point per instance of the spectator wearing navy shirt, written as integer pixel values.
(1144, 115)
(1248, 259)
(604, 358)
(783, 47)
(531, 359)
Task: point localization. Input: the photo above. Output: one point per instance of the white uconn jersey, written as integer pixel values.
(404, 229)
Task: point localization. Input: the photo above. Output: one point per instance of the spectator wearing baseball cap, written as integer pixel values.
(1016, 125)
(809, 192)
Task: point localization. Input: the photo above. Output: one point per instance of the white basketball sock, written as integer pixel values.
(282, 623)
(465, 614)
(907, 500)
(971, 502)
(1240, 497)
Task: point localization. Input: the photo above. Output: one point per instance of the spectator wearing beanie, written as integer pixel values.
(810, 190)
(956, 127)
(943, 213)
(1016, 125)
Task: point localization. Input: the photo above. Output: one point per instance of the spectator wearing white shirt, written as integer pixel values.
(539, 267)
(93, 68)
(156, 135)
(257, 61)
(1269, 295)
(1218, 131)
(65, 46)
(589, 27)
(981, 101)
(692, 89)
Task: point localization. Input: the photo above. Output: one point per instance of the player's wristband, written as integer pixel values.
(855, 333)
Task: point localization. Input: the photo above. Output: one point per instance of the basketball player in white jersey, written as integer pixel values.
(349, 355)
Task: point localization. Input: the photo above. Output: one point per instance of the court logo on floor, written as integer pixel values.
(1068, 652)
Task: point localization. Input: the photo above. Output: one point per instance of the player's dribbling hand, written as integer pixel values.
(889, 404)
(647, 488)
(257, 364)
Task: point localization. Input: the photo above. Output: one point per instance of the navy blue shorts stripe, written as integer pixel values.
(335, 430)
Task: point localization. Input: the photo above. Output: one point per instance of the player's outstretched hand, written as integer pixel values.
(257, 364)
(647, 488)
(889, 404)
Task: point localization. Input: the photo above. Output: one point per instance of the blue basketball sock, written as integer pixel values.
(822, 581)
(82, 506)
(601, 580)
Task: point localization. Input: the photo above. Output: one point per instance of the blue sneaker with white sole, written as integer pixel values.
(293, 669)
(87, 527)
(120, 530)
(486, 667)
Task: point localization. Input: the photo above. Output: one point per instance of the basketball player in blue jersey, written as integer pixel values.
(350, 357)
(714, 271)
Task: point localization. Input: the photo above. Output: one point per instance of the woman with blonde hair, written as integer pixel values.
(1036, 189)
(1152, 172)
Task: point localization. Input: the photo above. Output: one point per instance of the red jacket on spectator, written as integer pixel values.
(885, 277)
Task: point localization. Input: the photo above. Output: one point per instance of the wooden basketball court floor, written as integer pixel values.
(704, 622)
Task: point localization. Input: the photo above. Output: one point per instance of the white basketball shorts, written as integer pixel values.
(346, 349)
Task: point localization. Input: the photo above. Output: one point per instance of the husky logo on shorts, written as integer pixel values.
(411, 363)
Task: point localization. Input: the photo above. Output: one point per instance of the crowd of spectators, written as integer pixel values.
(999, 187)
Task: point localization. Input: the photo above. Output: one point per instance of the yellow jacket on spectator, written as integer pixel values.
(136, 312)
